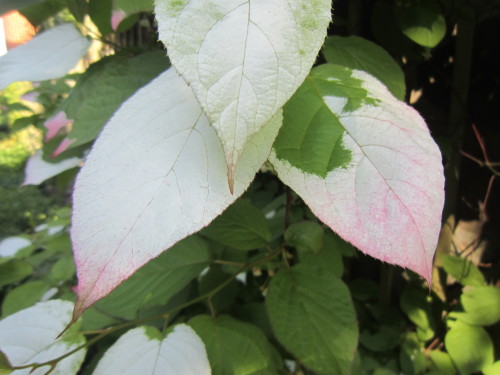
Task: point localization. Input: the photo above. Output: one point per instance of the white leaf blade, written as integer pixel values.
(38, 170)
(30, 336)
(11, 245)
(155, 175)
(49, 55)
(143, 350)
(242, 59)
(388, 200)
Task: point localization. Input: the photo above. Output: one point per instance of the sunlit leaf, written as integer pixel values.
(49, 55)
(462, 269)
(481, 305)
(421, 21)
(470, 347)
(365, 164)
(243, 59)
(155, 175)
(415, 302)
(146, 351)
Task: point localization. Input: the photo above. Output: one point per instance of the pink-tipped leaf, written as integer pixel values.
(155, 175)
(365, 164)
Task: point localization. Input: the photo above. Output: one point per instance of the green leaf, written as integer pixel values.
(158, 280)
(41, 11)
(416, 303)
(385, 338)
(387, 32)
(78, 8)
(14, 271)
(93, 320)
(463, 270)
(212, 279)
(242, 226)
(23, 296)
(256, 313)
(64, 269)
(134, 6)
(411, 357)
(311, 136)
(494, 369)
(481, 305)
(313, 317)
(329, 257)
(106, 85)
(442, 362)
(4, 363)
(8, 5)
(421, 21)
(358, 53)
(100, 13)
(234, 347)
(305, 236)
(470, 347)
(384, 371)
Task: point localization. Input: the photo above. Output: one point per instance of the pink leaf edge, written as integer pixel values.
(388, 201)
(155, 175)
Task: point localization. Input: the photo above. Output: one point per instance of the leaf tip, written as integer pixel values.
(62, 147)
(231, 169)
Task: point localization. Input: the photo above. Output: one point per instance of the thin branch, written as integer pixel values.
(164, 315)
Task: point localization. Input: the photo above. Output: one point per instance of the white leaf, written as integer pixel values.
(144, 351)
(30, 336)
(156, 174)
(11, 245)
(38, 170)
(388, 198)
(49, 55)
(243, 59)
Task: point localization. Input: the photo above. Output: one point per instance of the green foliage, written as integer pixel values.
(105, 85)
(234, 347)
(312, 315)
(421, 21)
(463, 270)
(358, 53)
(470, 347)
(242, 226)
(267, 288)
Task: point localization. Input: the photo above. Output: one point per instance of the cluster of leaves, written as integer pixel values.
(255, 285)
